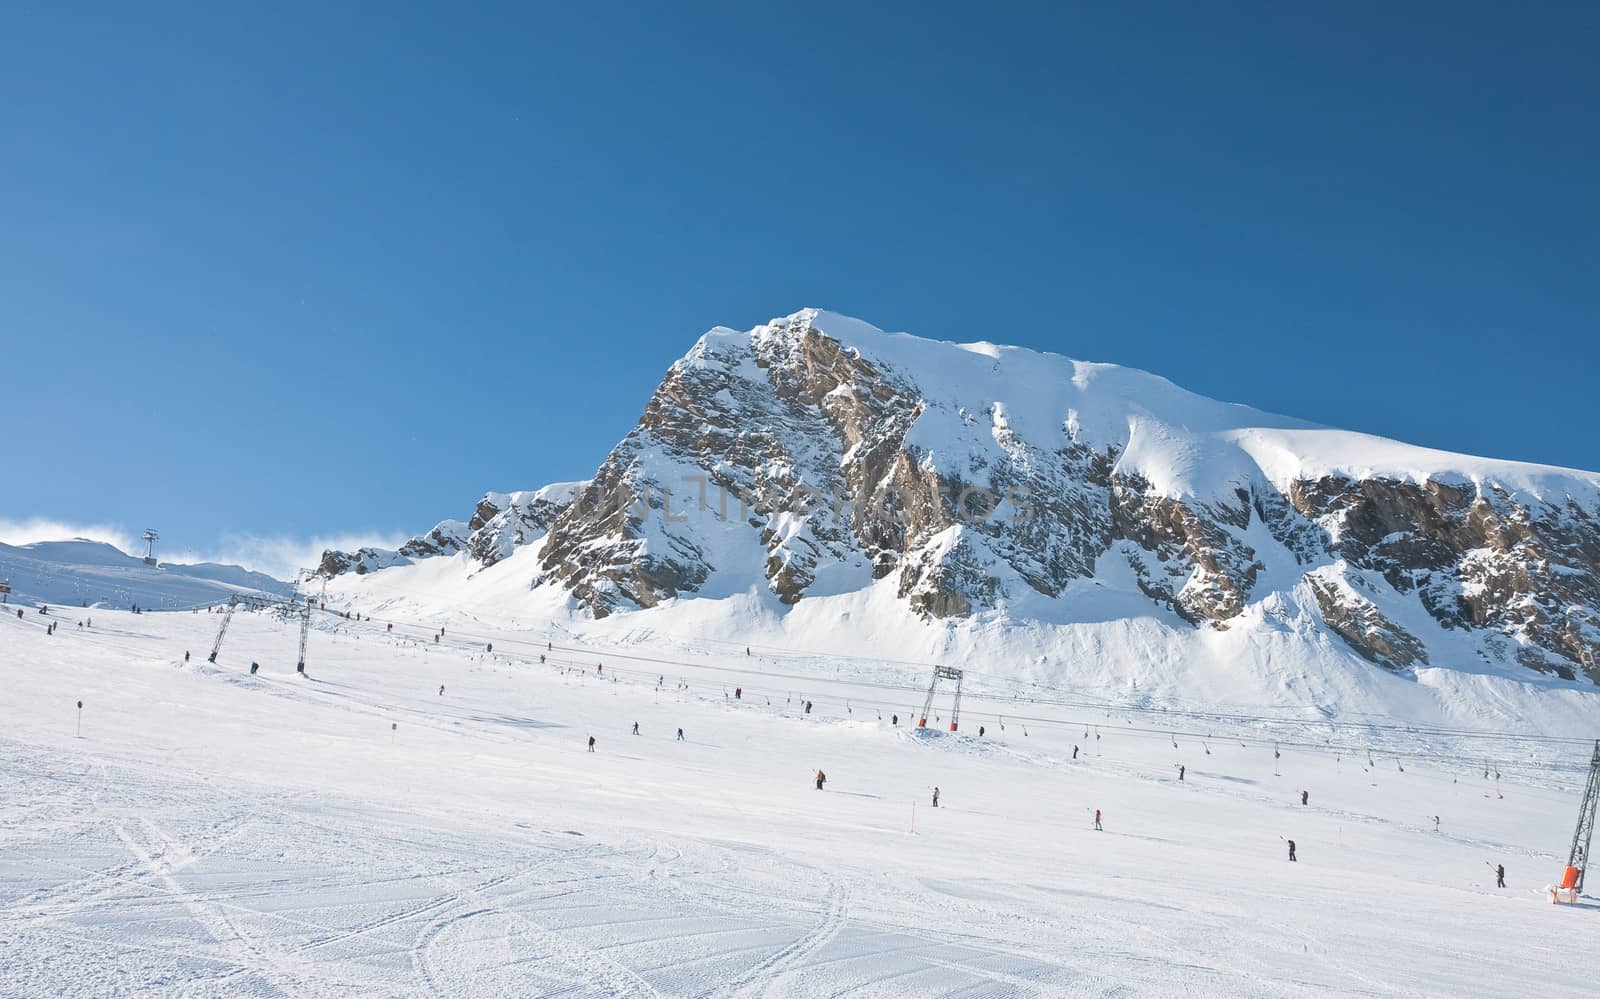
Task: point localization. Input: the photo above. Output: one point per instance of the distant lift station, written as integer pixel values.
(942, 673)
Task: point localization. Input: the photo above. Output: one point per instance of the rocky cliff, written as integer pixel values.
(816, 455)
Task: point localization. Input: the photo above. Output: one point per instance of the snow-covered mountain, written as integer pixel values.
(83, 573)
(975, 489)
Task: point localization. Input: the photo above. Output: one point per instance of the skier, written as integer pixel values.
(1436, 823)
(1097, 820)
(591, 743)
(1305, 797)
(1500, 875)
(1181, 769)
(1074, 752)
(822, 778)
(441, 690)
(680, 735)
(185, 655)
(894, 719)
(935, 797)
(808, 707)
(738, 693)
(980, 731)
(599, 668)
(389, 629)
(635, 728)
(1291, 852)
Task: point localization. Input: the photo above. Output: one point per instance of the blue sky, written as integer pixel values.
(328, 271)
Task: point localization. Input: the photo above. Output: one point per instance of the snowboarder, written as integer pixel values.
(935, 797)
(680, 735)
(1291, 852)
(1097, 820)
(822, 778)
(635, 728)
(1181, 769)
(591, 743)
(1305, 797)
(1500, 875)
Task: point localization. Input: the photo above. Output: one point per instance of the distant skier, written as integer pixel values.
(591, 743)
(935, 797)
(1097, 820)
(1291, 852)
(1500, 875)
(1436, 823)
(1074, 752)
(808, 707)
(822, 779)
(1181, 769)
(680, 735)
(894, 719)
(738, 693)
(1305, 797)
(185, 655)
(635, 728)
(441, 690)
(980, 731)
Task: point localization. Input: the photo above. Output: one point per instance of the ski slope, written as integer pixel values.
(355, 831)
(83, 573)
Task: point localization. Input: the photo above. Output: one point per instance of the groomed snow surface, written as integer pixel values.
(355, 831)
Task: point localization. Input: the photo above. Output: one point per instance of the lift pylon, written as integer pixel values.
(227, 615)
(305, 625)
(942, 673)
(1583, 836)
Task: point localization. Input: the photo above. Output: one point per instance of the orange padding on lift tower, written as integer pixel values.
(1569, 878)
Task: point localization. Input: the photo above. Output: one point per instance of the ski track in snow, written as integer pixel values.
(216, 834)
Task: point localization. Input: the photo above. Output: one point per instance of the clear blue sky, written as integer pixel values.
(331, 268)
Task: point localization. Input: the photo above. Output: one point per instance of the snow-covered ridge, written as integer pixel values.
(796, 474)
(84, 573)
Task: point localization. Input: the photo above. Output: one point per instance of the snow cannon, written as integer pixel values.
(1567, 891)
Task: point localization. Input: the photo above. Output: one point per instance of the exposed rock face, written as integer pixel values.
(816, 456)
(501, 523)
(789, 458)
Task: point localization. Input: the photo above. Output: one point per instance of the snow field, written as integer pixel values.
(215, 833)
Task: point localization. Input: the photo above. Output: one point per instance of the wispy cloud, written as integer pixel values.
(279, 556)
(282, 556)
(26, 532)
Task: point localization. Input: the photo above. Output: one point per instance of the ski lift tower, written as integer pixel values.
(1583, 836)
(942, 673)
(151, 536)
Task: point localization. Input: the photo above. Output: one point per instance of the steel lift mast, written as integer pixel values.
(942, 673)
(1583, 836)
